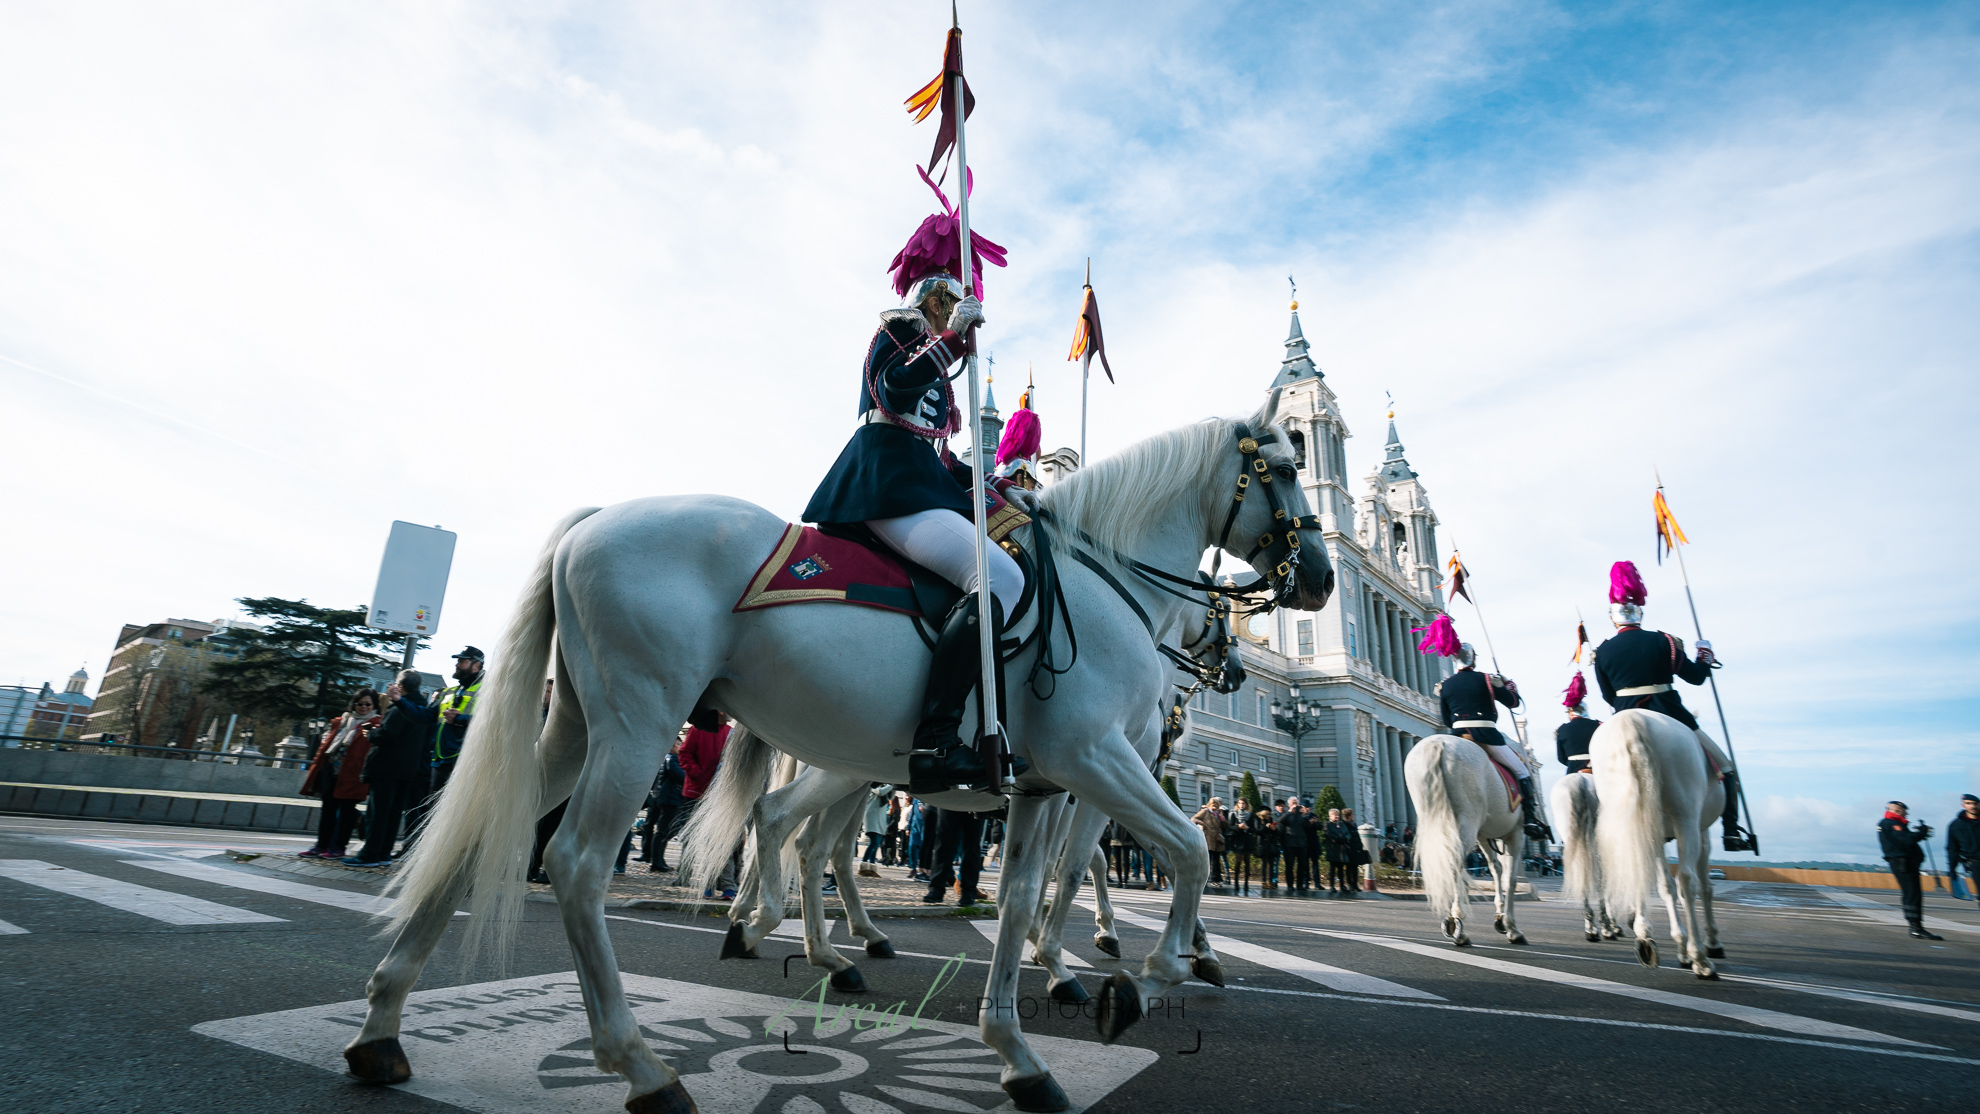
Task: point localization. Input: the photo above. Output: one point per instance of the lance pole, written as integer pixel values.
(988, 743)
(1518, 714)
(1085, 366)
(1712, 678)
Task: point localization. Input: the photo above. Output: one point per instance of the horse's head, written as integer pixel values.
(1269, 522)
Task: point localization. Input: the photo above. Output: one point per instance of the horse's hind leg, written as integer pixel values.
(857, 922)
(775, 816)
(1515, 848)
(1026, 1077)
(579, 857)
(1104, 936)
(375, 1055)
(1069, 867)
(815, 849)
(1691, 882)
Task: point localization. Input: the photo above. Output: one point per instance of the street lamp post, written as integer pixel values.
(1297, 718)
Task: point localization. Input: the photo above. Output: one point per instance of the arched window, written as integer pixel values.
(1299, 449)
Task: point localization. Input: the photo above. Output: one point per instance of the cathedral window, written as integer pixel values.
(1354, 651)
(1299, 449)
(1305, 638)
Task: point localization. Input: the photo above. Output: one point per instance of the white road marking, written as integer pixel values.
(793, 928)
(159, 905)
(1339, 978)
(1752, 1015)
(1884, 914)
(989, 930)
(12, 929)
(281, 887)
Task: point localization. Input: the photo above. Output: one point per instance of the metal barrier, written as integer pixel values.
(235, 757)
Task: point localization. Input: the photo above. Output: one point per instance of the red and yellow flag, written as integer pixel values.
(1580, 640)
(1669, 534)
(1458, 576)
(1087, 339)
(941, 93)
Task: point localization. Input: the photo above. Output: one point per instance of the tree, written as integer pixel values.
(1169, 787)
(303, 666)
(1329, 798)
(1248, 792)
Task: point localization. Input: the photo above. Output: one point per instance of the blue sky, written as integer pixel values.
(272, 277)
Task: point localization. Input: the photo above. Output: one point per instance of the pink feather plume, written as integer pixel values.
(1577, 691)
(937, 246)
(1439, 638)
(1022, 437)
(1626, 584)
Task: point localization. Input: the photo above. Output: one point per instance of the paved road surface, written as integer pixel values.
(118, 942)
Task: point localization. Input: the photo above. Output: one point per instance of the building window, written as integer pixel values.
(1264, 711)
(1234, 756)
(1299, 449)
(1263, 768)
(1205, 787)
(1306, 638)
(1354, 651)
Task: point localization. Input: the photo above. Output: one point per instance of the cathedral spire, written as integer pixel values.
(1395, 469)
(1298, 364)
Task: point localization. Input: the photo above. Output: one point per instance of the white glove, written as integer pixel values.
(968, 312)
(1022, 498)
(1706, 656)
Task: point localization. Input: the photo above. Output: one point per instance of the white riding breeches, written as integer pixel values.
(944, 543)
(1509, 758)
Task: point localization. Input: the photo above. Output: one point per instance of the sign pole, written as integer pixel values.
(989, 744)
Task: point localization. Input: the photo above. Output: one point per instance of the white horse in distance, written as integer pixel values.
(1462, 802)
(1651, 775)
(1575, 806)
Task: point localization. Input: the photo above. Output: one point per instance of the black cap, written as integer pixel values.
(1970, 797)
(472, 654)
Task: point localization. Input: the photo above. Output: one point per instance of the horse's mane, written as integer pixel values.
(1119, 499)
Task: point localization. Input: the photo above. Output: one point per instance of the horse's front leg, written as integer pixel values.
(1078, 829)
(1104, 936)
(1692, 853)
(814, 851)
(857, 922)
(1515, 850)
(1026, 1078)
(579, 857)
(775, 816)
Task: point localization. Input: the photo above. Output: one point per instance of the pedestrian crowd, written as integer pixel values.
(1287, 847)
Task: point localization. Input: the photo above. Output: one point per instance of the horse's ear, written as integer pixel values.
(1262, 420)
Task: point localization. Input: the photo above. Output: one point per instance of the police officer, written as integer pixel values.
(1469, 701)
(1900, 843)
(1635, 669)
(1571, 738)
(453, 709)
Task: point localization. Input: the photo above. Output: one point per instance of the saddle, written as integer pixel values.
(850, 565)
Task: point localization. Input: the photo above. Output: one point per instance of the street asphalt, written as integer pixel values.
(146, 970)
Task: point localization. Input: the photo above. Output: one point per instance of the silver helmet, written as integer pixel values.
(1625, 613)
(928, 284)
(1466, 656)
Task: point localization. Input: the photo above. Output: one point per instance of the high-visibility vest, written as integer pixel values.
(460, 698)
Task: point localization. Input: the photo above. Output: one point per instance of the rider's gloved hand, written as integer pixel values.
(1021, 498)
(968, 312)
(1706, 656)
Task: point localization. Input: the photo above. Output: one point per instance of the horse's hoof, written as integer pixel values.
(671, 1099)
(379, 1061)
(1108, 944)
(1704, 970)
(1120, 1006)
(1499, 924)
(1518, 938)
(1461, 942)
(1646, 952)
(1592, 936)
(734, 948)
(849, 980)
(880, 949)
(1715, 953)
(1068, 991)
(1209, 970)
(1040, 1093)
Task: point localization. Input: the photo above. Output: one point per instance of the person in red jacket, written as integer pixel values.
(333, 776)
(700, 756)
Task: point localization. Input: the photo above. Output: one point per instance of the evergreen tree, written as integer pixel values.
(1248, 792)
(1330, 797)
(1169, 787)
(303, 666)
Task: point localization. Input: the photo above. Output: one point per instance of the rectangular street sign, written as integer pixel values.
(412, 579)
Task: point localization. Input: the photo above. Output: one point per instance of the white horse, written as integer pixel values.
(1651, 774)
(1461, 802)
(637, 600)
(1575, 808)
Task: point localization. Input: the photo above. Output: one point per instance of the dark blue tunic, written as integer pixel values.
(888, 470)
(1637, 658)
(1469, 695)
(1571, 738)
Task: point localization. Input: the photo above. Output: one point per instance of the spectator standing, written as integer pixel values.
(454, 708)
(956, 832)
(1963, 841)
(663, 810)
(335, 776)
(1316, 844)
(1355, 853)
(1211, 819)
(1333, 833)
(395, 768)
(700, 756)
(1900, 845)
(876, 828)
(1292, 843)
(917, 831)
(1239, 840)
(1265, 825)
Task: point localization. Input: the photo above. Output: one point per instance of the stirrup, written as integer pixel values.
(933, 771)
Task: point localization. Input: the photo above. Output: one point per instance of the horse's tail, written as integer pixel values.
(1629, 828)
(480, 831)
(1575, 812)
(723, 811)
(1439, 845)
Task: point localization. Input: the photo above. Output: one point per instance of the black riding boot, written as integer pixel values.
(1529, 803)
(955, 673)
(1735, 839)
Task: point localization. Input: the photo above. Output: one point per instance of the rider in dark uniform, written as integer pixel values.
(893, 485)
(1571, 738)
(1635, 669)
(1469, 700)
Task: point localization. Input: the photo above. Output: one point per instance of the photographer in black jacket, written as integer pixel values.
(1900, 845)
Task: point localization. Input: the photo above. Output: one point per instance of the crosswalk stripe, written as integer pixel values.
(793, 928)
(1354, 982)
(12, 929)
(989, 930)
(1878, 911)
(281, 887)
(159, 905)
(1752, 1015)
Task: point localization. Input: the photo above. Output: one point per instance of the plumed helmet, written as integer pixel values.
(1439, 638)
(1627, 594)
(1577, 695)
(1465, 654)
(934, 254)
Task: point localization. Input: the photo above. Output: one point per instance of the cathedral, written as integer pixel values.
(1339, 696)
